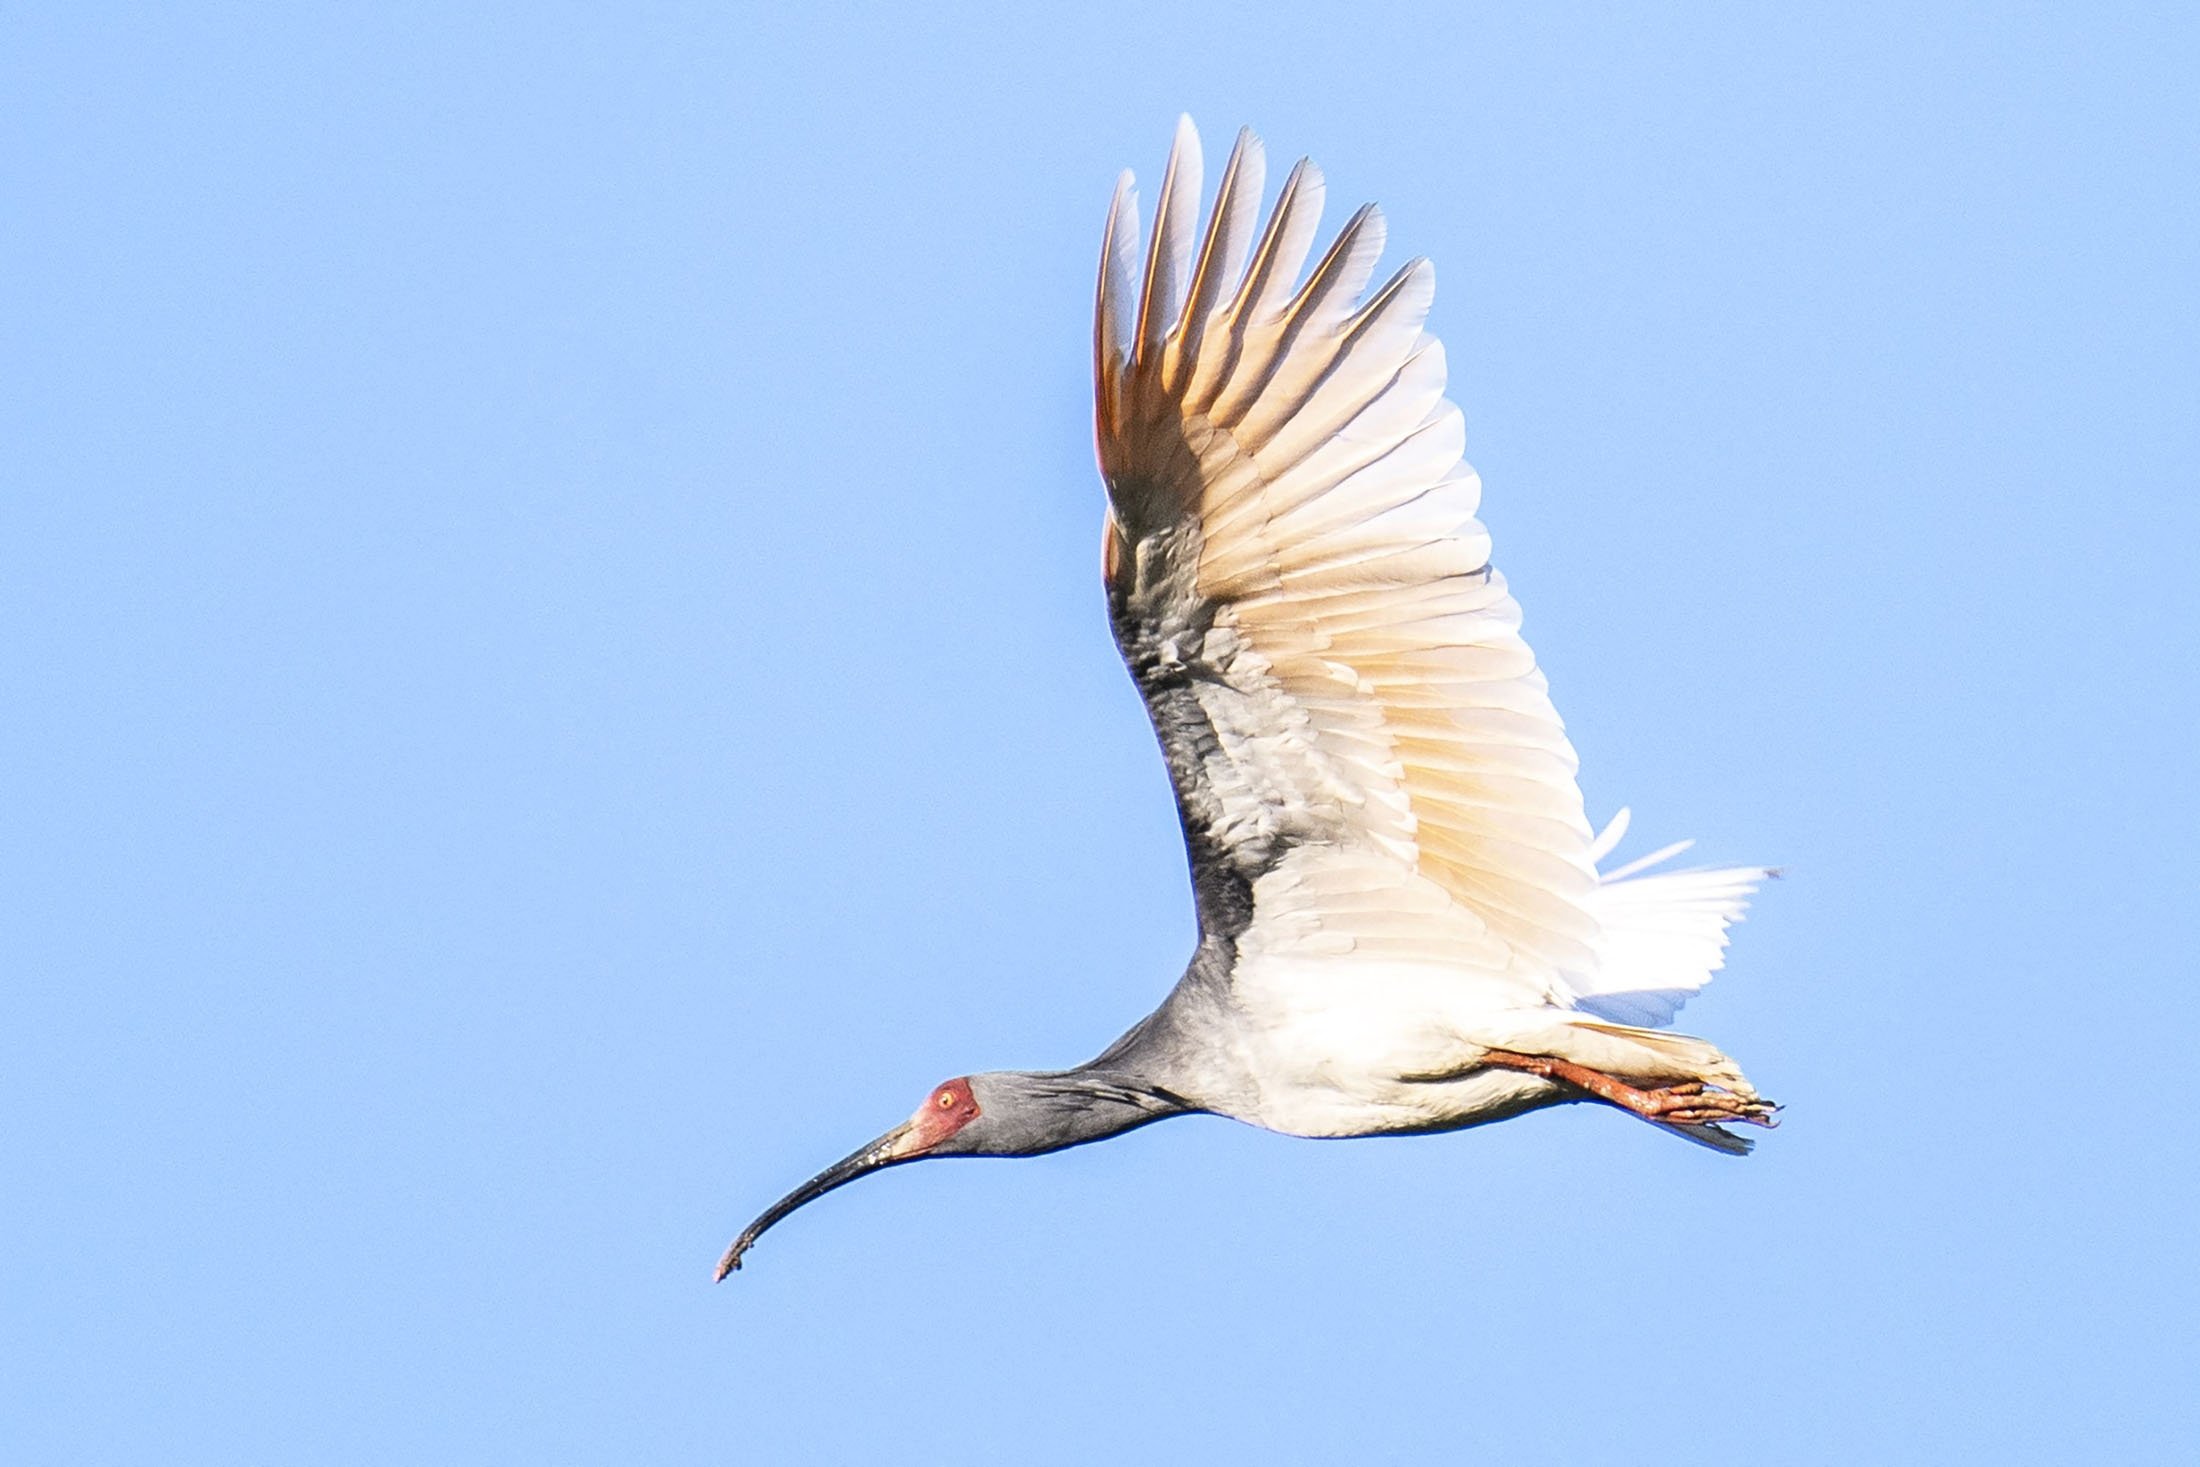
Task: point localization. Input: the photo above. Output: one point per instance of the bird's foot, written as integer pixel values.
(1689, 1103)
(1692, 1104)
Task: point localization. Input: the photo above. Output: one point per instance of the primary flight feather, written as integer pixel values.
(1402, 926)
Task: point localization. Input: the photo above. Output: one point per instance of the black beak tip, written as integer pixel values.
(879, 1153)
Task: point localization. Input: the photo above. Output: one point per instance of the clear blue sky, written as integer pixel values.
(555, 682)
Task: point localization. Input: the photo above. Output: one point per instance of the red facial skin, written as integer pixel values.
(945, 1111)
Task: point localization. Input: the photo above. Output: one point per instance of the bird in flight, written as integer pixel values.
(1402, 923)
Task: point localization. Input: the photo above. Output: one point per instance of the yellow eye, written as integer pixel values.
(947, 1100)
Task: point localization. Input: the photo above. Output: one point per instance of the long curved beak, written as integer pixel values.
(896, 1145)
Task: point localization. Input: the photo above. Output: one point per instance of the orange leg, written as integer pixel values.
(1688, 1104)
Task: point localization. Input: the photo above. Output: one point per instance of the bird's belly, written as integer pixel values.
(1394, 1053)
(1322, 1108)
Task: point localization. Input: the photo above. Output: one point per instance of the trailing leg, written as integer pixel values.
(1687, 1103)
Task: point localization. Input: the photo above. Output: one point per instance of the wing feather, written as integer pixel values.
(1363, 749)
(1222, 256)
(1168, 263)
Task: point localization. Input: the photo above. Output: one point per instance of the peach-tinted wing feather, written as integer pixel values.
(1363, 749)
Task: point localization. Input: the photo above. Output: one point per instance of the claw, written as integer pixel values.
(1711, 1106)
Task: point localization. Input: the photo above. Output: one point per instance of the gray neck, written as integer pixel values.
(1182, 1057)
(1188, 1050)
(1025, 1113)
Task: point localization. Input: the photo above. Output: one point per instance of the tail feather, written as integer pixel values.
(1656, 1054)
(1663, 935)
(1718, 1138)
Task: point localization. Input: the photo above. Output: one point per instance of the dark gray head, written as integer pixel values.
(1004, 1113)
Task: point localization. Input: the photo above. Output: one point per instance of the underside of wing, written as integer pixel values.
(1303, 593)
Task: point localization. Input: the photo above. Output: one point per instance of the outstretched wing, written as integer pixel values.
(1364, 753)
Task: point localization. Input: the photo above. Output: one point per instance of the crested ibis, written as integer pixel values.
(1402, 923)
